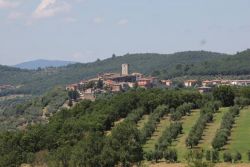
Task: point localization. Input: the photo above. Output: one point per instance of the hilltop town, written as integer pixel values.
(121, 82)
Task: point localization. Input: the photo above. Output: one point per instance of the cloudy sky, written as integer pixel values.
(84, 30)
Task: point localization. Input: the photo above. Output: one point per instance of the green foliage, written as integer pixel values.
(242, 101)
(154, 118)
(27, 110)
(181, 111)
(39, 81)
(225, 94)
(169, 134)
(212, 156)
(206, 116)
(227, 157)
(170, 155)
(195, 159)
(237, 157)
(224, 132)
(248, 155)
(126, 142)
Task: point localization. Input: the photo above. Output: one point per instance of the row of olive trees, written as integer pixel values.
(181, 111)
(169, 134)
(206, 116)
(170, 155)
(154, 119)
(224, 132)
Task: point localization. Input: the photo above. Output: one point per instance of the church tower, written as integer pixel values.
(125, 69)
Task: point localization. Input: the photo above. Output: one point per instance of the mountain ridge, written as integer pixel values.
(42, 63)
(164, 66)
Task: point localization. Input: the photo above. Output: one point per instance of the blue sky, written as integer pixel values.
(84, 30)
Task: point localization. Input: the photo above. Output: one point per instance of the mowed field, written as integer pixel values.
(240, 138)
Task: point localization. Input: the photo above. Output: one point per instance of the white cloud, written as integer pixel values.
(98, 20)
(123, 22)
(8, 4)
(50, 8)
(15, 15)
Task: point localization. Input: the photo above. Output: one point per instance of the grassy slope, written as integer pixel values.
(150, 144)
(210, 131)
(188, 122)
(240, 139)
(164, 164)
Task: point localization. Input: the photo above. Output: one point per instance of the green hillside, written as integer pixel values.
(191, 63)
(38, 81)
(156, 124)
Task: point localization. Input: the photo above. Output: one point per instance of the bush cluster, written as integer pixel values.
(170, 155)
(135, 115)
(181, 111)
(229, 157)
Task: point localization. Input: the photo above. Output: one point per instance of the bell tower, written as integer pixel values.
(125, 69)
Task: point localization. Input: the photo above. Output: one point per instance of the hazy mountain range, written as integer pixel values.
(41, 63)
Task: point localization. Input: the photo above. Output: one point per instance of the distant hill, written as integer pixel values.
(190, 63)
(32, 65)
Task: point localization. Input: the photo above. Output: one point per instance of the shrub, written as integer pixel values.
(237, 157)
(149, 156)
(215, 156)
(170, 155)
(248, 155)
(208, 155)
(227, 157)
(157, 155)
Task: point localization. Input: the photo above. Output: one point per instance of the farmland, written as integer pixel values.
(153, 126)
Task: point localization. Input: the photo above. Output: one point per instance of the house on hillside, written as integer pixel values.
(167, 83)
(207, 83)
(204, 89)
(144, 83)
(240, 82)
(190, 83)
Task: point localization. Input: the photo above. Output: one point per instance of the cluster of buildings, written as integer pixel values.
(114, 82)
(119, 82)
(206, 85)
